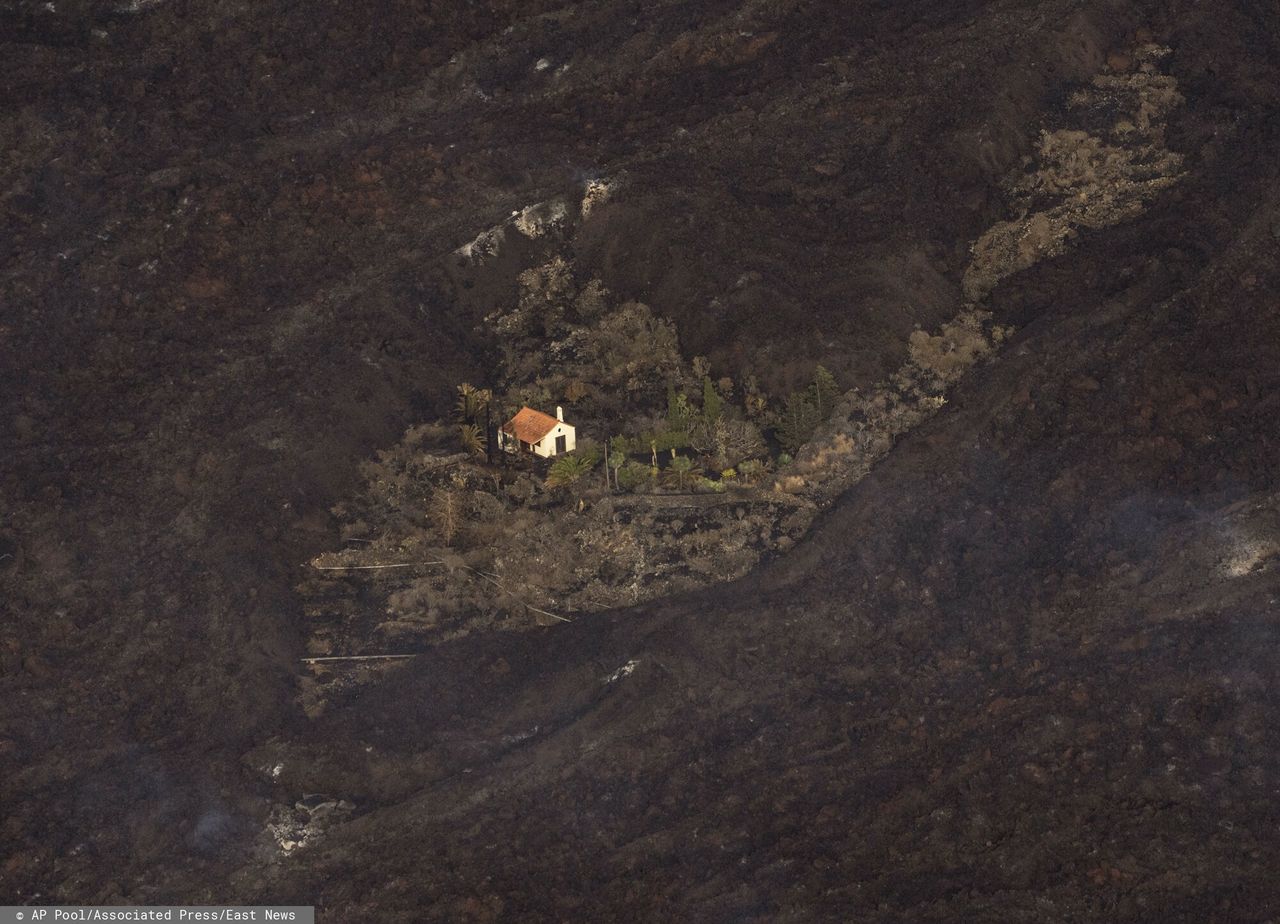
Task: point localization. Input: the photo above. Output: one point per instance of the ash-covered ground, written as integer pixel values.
(1018, 663)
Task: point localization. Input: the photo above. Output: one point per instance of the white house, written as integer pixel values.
(538, 433)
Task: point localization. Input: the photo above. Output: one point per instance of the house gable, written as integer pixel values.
(538, 432)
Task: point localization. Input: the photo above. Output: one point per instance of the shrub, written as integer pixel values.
(754, 401)
(735, 440)
(631, 475)
(946, 356)
(751, 470)
(589, 450)
(668, 440)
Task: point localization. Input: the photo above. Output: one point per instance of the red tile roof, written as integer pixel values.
(529, 425)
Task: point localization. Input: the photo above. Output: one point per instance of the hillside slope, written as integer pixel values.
(1023, 670)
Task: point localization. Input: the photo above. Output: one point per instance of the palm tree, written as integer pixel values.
(619, 447)
(472, 439)
(682, 466)
(472, 409)
(472, 402)
(568, 470)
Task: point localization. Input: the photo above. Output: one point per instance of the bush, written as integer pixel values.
(752, 470)
(589, 450)
(632, 474)
(668, 440)
(734, 441)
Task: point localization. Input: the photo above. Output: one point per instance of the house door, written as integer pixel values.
(560, 444)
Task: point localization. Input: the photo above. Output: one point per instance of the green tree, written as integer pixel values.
(568, 470)
(472, 402)
(619, 448)
(681, 466)
(590, 451)
(711, 403)
(806, 410)
(825, 391)
(669, 440)
(680, 413)
(797, 421)
(472, 439)
(631, 475)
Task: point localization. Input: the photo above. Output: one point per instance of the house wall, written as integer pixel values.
(546, 447)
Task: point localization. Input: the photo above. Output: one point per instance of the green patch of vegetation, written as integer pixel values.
(680, 468)
(632, 475)
(613, 364)
(569, 469)
(472, 413)
(805, 411)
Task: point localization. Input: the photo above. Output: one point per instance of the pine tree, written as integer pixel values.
(798, 420)
(679, 413)
(711, 403)
(825, 392)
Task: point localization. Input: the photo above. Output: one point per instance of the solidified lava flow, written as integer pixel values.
(916, 553)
